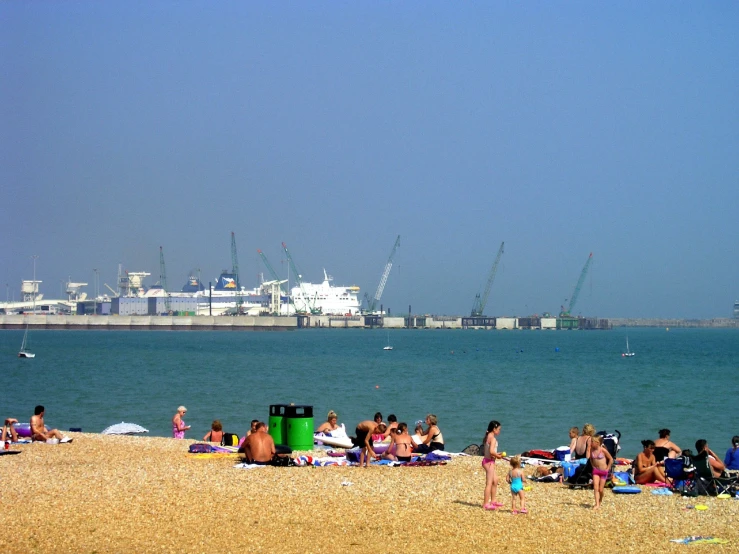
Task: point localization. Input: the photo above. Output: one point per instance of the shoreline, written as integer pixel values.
(104, 493)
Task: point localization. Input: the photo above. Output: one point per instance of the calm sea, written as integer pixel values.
(537, 384)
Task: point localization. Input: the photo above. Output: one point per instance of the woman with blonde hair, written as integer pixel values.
(330, 423)
(178, 424)
(433, 438)
(582, 446)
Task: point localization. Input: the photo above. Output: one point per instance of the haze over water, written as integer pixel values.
(683, 379)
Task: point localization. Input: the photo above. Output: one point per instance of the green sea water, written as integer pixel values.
(536, 383)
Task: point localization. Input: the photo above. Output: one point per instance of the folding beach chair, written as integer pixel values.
(705, 479)
(582, 478)
(678, 475)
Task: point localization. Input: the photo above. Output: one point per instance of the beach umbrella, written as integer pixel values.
(123, 428)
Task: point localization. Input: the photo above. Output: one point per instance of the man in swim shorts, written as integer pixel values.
(364, 432)
(259, 447)
(38, 429)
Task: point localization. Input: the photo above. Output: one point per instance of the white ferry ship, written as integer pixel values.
(323, 298)
(225, 295)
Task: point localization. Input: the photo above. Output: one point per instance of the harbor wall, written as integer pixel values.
(676, 323)
(145, 323)
(246, 323)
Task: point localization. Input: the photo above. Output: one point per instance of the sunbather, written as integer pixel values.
(8, 431)
(646, 468)
(731, 460)
(717, 466)
(582, 446)
(38, 429)
(330, 424)
(664, 447)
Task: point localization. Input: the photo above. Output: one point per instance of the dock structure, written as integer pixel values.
(151, 323)
(286, 323)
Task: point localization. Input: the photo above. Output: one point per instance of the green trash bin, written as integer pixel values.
(277, 423)
(299, 427)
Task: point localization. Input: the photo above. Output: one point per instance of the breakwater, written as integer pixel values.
(720, 322)
(285, 323)
(282, 323)
(152, 323)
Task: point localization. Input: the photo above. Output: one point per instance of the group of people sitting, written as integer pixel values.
(257, 445)
(38, 430)
(400, 444)
(649, 466)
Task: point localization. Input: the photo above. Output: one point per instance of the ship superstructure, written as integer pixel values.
(323, 298)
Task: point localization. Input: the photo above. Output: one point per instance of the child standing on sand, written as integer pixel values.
(601, 460)
(515, 479)
(490, 455)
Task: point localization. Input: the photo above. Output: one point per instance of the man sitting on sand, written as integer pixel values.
(38, 429)
(259, 447)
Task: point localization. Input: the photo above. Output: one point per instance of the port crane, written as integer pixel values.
(480, 301)
(235, 271)
(372, 304)
(272, 272)
(576, 292)
(308, 303)
(163, 279)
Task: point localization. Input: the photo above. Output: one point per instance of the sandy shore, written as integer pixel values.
(132, 494)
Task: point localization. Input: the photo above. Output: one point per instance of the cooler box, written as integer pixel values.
(277, 423)
(299, 427)
(562, 454)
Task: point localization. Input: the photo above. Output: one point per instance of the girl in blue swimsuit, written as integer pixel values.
(515, 478)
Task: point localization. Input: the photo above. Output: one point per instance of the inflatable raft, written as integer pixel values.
(24, 429)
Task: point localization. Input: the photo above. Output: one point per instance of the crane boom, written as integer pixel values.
(163, 278)
(235, 271)
(480, 302)
(372, 304)
(576, 292)
(272, 272)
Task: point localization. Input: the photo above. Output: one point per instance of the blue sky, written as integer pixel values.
(559, 128)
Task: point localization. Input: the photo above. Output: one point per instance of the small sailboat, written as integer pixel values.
(628, 352)
(24, 352)
(388, 347)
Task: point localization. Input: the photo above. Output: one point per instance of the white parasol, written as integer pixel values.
(123, 428)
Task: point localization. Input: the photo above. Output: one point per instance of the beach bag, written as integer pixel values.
(230, 439)
(541, 454)
(200, 448)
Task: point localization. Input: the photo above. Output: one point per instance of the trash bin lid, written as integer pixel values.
(298, 411)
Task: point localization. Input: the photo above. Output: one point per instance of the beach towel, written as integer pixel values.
(248, 466)
(437, 455)
(553, 478)
(700, 540)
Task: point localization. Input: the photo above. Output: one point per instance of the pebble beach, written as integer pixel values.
(104, 493)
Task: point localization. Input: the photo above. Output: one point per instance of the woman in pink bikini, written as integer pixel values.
(178, 425)
(601, 460)
(490, 454)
